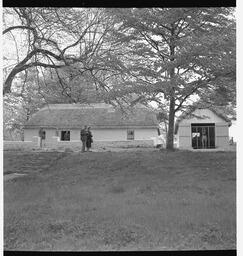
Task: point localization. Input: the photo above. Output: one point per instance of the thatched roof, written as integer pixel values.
(189, 114)
(96, 115)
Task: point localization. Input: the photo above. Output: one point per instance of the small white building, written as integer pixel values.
(65, 121)
(202, 128)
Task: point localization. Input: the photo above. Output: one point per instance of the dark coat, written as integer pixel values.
(89, 139)
(42, 134)
(83, 135)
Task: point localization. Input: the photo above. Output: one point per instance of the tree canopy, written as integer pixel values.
(51, 39)
(174, 55)
(169, 56)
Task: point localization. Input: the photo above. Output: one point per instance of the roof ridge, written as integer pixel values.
(88, 106)
(76, 106)
(77, 116)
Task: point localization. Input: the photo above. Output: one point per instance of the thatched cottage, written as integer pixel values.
(64, 122)
(202, 128)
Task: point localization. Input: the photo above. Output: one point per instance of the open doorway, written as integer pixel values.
(203, 135)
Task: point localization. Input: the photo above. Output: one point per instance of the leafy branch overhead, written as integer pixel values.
(55, 38)
(169, 56)
(197, 44)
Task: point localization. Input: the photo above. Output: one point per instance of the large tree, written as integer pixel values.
(176, 54)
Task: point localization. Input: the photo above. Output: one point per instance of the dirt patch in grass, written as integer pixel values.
(124, 201)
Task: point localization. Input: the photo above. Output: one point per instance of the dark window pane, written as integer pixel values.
(65, 135)
(130, 134)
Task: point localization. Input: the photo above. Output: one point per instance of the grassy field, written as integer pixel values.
(123, 201)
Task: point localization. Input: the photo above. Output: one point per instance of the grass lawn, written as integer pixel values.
(123, 201)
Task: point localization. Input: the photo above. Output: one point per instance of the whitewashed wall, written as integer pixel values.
(109, 134)
(184, 136)
(221, 135)
(98, 134)
(75, 134)
(209, 117)
(29, 134)
(145, 134)
(50, 133)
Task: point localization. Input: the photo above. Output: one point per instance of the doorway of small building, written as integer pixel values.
(203, 135)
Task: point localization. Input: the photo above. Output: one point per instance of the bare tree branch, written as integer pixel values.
(19, 27)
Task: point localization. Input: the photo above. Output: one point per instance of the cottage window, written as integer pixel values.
(65, 135)
(130, 134)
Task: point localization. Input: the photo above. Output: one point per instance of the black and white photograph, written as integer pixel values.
(119, 129)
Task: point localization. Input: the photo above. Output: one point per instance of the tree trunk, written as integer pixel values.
(170, 134)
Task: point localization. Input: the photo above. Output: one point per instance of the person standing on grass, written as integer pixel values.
(89, 139)
(41, 136)
(83, 136)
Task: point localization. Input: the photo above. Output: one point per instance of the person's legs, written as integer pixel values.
(88, 145)
(204, 142)
(83, 146)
